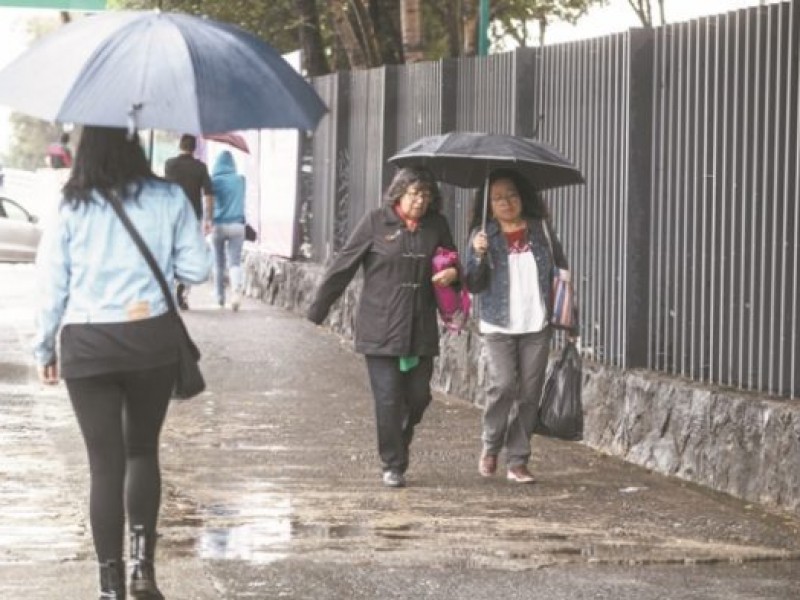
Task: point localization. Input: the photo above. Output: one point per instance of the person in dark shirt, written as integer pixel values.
(192, 175)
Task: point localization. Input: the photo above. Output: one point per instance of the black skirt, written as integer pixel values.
(89, 349)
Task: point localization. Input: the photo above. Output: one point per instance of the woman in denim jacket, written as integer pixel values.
(119, 344)
(509, 269)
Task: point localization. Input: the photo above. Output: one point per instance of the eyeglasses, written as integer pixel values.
(508, 199)
(423, 195)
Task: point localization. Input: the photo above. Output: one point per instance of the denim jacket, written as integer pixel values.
(487, 276)
(90, 271)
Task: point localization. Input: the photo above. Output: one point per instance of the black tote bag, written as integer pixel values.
(561, 409)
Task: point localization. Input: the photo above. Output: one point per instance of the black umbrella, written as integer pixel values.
(466, 159)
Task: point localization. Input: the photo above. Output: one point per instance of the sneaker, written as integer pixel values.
(393, 479)
(487, 466)
(520, 474)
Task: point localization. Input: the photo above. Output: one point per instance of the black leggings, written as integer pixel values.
(120, 416)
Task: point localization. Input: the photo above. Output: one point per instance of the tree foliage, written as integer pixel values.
(344, 34)
(29, 136)
(351, 34)
(30, 140)
(514, 18)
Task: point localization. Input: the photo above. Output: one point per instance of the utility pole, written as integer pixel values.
(483, 28)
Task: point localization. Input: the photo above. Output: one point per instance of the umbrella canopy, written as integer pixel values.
(232, 139)
(465, 159)
(162, 71)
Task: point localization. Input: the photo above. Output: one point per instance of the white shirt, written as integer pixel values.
(527, 311)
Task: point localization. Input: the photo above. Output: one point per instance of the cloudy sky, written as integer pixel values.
(619, 16)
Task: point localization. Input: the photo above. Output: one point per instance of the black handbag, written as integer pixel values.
(189, 381)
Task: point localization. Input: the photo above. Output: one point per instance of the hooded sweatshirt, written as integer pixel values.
(228, 190)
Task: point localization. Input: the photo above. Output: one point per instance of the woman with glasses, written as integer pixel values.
(509, 269)
(396, 326)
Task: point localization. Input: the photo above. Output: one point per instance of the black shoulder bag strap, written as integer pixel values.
(148, 256)
(189, 381)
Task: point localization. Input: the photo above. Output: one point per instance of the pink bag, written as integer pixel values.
(453, 304)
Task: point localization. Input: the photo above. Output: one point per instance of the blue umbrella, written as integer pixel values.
(162, 71)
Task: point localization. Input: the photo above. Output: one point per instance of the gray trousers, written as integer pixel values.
(400, 401)
(517, 366)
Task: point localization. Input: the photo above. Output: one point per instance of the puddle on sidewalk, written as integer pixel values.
(259, 527)
(256, 527)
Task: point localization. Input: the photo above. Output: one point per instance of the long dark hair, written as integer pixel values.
(533, 205)
(110, 161)
(408, 176)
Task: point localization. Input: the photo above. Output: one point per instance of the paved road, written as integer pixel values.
(272, 490)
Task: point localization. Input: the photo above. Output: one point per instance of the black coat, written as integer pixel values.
(397, 309)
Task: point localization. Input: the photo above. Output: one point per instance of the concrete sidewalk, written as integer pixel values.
(272, 490)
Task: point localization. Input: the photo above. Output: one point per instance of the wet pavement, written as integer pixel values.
(272, 490)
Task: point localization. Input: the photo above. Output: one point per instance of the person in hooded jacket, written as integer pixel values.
(396, 327)
(229, 225)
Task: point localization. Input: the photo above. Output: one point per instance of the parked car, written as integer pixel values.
(19, 233)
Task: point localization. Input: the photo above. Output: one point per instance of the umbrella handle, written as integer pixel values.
(485, 202)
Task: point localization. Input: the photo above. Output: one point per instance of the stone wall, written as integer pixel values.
(742, 444)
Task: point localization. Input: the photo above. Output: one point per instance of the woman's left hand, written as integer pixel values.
(445, 277)
(48, 374)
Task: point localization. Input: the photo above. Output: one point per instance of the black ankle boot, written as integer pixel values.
(143, 576)
(112, 580)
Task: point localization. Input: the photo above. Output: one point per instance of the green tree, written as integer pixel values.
(352, 34)
(515, 18)
(30, 136)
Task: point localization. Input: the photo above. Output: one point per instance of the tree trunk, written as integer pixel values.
(311, 41)
(347, 35)
(449, 13)
(542, 31)
(385, 17)
(369, 41)
(411, 25)
(643, 11)
(470, 28)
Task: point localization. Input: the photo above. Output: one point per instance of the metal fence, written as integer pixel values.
(683, 239)
(724, 257)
